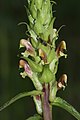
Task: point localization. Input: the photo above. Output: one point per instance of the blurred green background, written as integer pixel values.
(11, 13)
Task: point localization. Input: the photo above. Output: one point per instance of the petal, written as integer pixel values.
(43, 55)
(23, 74)
(28, 70)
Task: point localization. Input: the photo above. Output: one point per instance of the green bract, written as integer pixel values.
(47, 75)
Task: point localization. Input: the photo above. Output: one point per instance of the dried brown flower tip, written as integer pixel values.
(43, 56)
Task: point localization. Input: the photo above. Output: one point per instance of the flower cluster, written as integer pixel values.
(41, 56)
(40, 65)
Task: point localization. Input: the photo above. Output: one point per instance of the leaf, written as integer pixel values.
(63, 104)
(19, 96)
(35, 117)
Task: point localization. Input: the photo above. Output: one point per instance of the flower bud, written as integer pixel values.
(38, 3)
(55, 33)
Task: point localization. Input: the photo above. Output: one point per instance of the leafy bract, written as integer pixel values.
(19, 96)
(63, 104)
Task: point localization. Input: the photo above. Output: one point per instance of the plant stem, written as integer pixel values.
(47, 110)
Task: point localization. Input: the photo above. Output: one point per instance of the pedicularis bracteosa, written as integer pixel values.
(39, 61)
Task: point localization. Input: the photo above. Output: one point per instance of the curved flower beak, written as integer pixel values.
(61, 49)
(27, 69)
(27, 44)
(62, 83)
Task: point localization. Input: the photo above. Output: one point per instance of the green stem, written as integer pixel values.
(47, 110)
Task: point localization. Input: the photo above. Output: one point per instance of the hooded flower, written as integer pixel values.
(27, 69)
(62, 82)
(29, 48)
(61, 49)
